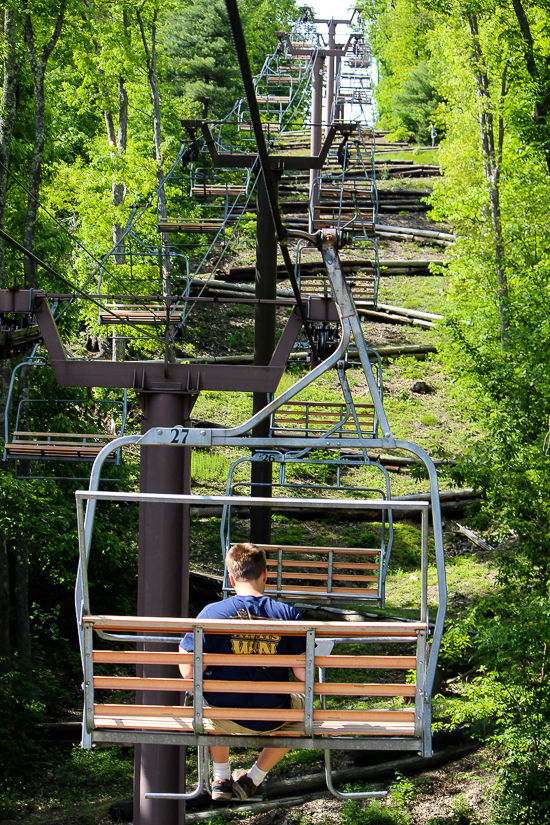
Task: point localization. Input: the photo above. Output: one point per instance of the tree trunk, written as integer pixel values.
(21, 565)
(164, 257)
(21, 599)
(119, 187)
(5, 646)
(118, 139)
(38, 67)
(8, 110)
(541, 114)
(492, 162)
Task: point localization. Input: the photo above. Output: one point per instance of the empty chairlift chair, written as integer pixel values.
(336, 574)
(136, 302)
(66, 430)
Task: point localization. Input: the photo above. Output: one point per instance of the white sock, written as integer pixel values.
(221, 770)
(256, 774)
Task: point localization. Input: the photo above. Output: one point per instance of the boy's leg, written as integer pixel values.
(245, 783)
(220, 753)
(269, 758)
(221, 782)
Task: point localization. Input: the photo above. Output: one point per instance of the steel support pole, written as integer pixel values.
(330, 74)
(339, 107)
(162, 591)
(264, 346)
(316, 134)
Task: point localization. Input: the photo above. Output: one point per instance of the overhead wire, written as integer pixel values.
(100, 262)
(76, 289)
(280, 229)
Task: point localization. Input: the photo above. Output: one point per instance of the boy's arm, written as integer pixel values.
(186, 670)
(300, 672)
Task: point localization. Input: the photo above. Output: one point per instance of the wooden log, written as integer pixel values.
(413, 313)
(214, 283)
(409, 230)
(393, 319)
(471, 536)
(244, 273)
(394, 236)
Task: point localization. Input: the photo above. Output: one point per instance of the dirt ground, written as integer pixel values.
(459, 792)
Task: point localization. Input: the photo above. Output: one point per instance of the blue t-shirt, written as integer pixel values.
(249, 607)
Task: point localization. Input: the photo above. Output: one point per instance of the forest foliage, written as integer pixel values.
(81, 128)
(487, 89)
(92, 97)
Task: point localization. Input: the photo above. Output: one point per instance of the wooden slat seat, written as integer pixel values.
(85, 446)
(362, 286)
(304, 572)
(218, 190)
(273, 99)
(334, 727)
(324, 221)
(334, 718)
(151, 314)
(272, 128)
(190, 226)
(313, 418)
(333, 191)
(178, 626)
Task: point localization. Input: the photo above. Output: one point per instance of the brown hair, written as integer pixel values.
(245, 562)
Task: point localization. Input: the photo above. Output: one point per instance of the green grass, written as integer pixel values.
(79, 784)
(423, 292)
(423, 157)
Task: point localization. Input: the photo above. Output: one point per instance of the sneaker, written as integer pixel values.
(243, 786)
(222, 791)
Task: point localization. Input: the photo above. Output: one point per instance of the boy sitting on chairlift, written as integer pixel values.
(247, 568)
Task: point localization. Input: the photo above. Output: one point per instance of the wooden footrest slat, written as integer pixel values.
(293, 729)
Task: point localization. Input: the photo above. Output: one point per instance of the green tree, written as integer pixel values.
(415, 106)
(201, 61)
(400, 34)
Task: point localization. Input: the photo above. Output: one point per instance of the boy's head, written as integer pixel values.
(245, 562)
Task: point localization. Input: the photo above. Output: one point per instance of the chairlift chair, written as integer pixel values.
(331, 575)
(73, 446)
(324, 723)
